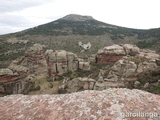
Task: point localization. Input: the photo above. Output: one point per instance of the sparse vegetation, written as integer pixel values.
(138, 59)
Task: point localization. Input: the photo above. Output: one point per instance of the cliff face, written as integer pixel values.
(110, 104)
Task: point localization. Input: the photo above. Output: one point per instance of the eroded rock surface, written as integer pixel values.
(12, 82)
(35, 60)
(79, 84)
(110, 104)
(60, 62)
(130, 64)
(115, 52)
(13, 79)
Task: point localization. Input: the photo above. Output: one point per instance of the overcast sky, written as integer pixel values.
(17, 15)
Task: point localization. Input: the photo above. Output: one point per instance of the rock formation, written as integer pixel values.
(14, 79)
(60, 62)
(35, 60)
(110, 104)
(130, 68)
(130, 64)
(113, 53)
(78, 84)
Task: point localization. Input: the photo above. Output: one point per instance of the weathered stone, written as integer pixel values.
(6, 71)
(110, 54)
(136, 83)
(110, 104)
(79, 84)
(131, 49)
(84, 65)
(131, 68)
(14, 82)
(149, 54)
(114, 50)
(60, 62)
(146, 85)
(16, 79)
(92, 58)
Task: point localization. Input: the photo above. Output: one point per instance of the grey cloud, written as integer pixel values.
(13, 20)
(12, 23)
(17, 5)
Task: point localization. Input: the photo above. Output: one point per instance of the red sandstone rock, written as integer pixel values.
(110, 104)
(103, 58)
(110, 54)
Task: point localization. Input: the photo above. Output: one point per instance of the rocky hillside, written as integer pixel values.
(65, 33)
(60, 71)
(110, 104)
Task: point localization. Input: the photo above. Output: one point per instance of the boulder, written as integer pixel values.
(131, 49)
(78, 84)
(146, 85)
(149, 54)
(84, 65)
(136, 83)
(6, 71)
(110, 54)
(110, 104)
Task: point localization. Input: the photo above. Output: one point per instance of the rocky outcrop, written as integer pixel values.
(78, 84)
(131, 68)
(60, 62)
(74, 17)
(14, 79)
(35, 60)
(13, 82)
(110, 104)
(113, 53)
(130, 64)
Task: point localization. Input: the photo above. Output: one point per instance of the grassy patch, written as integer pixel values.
(138, 59)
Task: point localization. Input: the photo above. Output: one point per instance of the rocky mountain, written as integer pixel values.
(65, 33)
(110, 104)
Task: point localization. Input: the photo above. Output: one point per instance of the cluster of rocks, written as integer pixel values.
(79, 84)
(110, 104)
(60, 62)
(130, 64)
(15, 78)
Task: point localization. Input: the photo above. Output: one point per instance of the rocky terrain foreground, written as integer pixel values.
(109, 104)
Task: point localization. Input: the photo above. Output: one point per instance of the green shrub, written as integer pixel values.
(138, 59)
(62, 91)
(158, 62)
(155, 73)
(37, 88)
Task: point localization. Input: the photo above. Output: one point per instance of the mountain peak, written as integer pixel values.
(74, 17)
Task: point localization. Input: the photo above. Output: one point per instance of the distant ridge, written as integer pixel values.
(74, 17)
